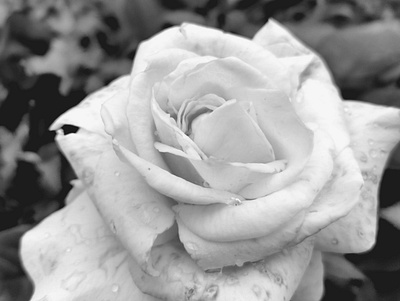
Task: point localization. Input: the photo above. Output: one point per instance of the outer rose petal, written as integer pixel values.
(112, 183)
(209, 41)
(317, 100)
(374, 133)
(146, 214)
(274, 278)
(86, 114)
(73, 255)
(311, 286)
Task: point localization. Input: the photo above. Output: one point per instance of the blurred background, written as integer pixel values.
(55, 52)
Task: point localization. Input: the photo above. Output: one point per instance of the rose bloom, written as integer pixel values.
(221, 168)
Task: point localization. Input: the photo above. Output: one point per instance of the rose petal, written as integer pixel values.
(115, 121)
(213, 254)
(277, 118)
(274, 278)
(374, 133)
(265, 215)
(146, 215)
(73, 255)
(138, 111)
(86, 114)
(338, 197)
(193, 108)
(209, 41)
(173, 186)
(280, 41)
(318, 102)
(311, 286)
(216, 77)
(219, 174)
(83, 151)
(230, 134)
(274, 37)
(291, 52)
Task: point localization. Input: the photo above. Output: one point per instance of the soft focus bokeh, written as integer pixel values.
(55, 52)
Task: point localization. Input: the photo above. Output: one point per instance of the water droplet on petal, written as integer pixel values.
(117, 173)
(115, 288)
(72, 282)
(88, 176)
(113, 227)
(360, 233)
(363, 157)
(234, 201)
(371, 142)
(382, 153)
(206, 184)
(373, 153)
(47, 235)
(239, 262)
(191, 247)
(68, 250)
(335, 241)
(232, 280)
(211, 292)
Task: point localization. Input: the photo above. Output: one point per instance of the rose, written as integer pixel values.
(297, 177)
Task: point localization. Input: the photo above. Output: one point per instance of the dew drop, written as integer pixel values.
(115, 288)
(371, 142)
(47, 235)
(346, 109)
(382, 153)
(117, 173)
(363, 157)
(232, 280)
(365, 176)
(373, 153)
(191, 246)
(72, 282)
(113, 227)
(335, 241)
(239, 263)
(87, 176)
(115, 142)
(68, 250)
(234, 201)
(211, 292)
(360, 233)
(206, 184)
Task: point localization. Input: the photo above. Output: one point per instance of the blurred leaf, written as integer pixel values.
(14, 285)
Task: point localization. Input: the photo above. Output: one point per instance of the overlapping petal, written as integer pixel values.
(258, 227)
(73, 255)
(374, 133)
